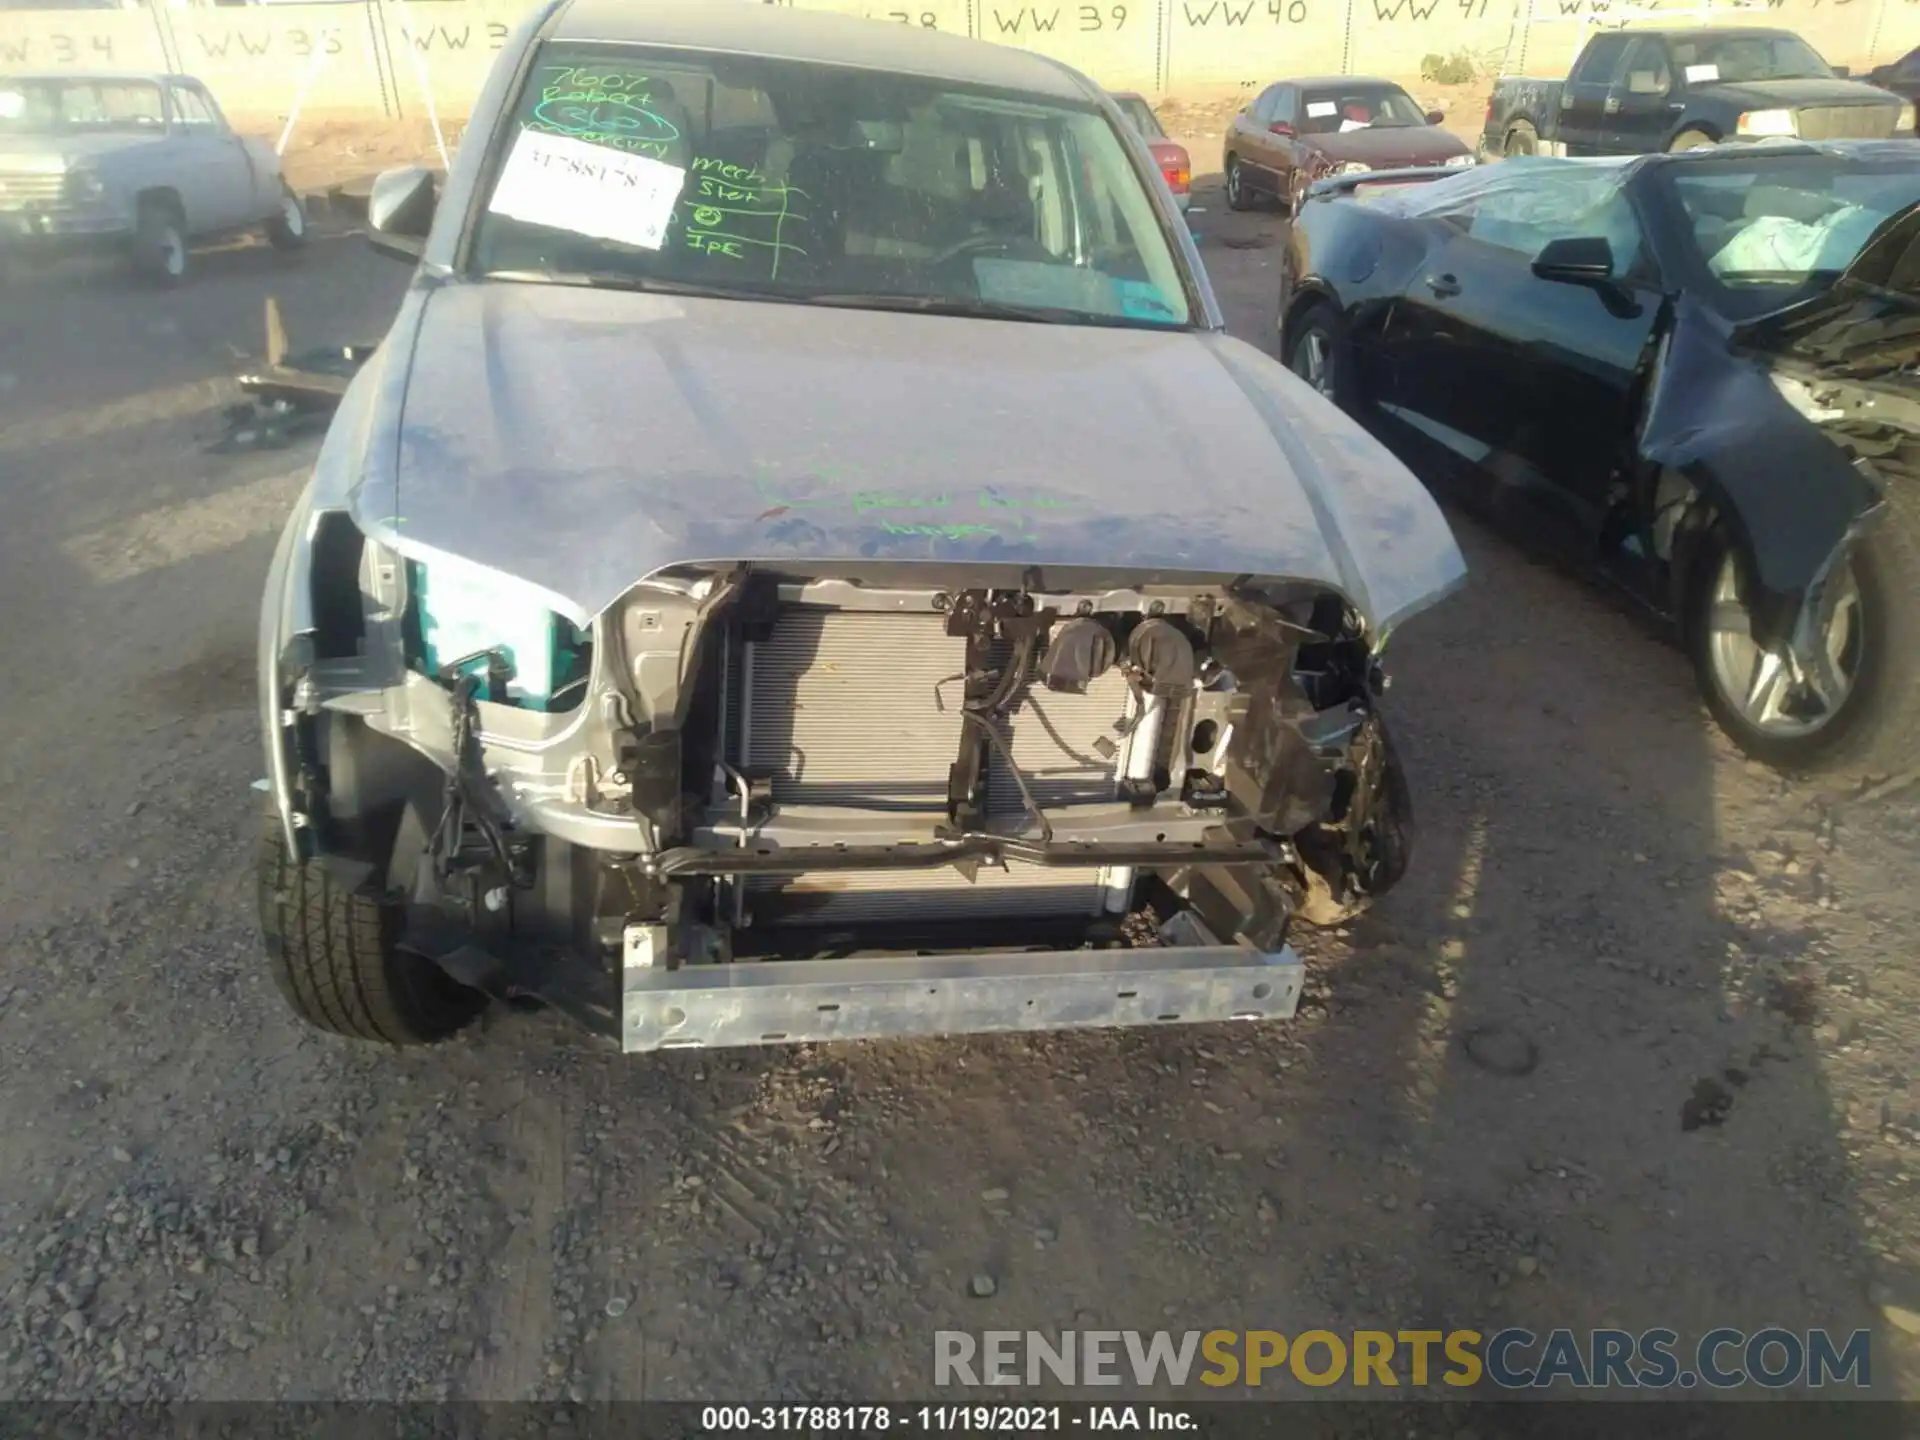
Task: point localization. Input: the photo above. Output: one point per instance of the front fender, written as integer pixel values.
(1392, 540)
(1789, 495)
(286, 615)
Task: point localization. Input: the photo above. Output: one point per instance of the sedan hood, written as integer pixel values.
(1390, 146)
(580, 440)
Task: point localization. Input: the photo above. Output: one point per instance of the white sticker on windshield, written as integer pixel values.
(1320, 109)
(1702, 74)
(588, 189)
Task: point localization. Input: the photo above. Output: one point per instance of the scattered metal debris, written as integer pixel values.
(291, 396)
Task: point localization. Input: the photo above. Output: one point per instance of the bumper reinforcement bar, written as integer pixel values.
(805, 1001)
(688, 860)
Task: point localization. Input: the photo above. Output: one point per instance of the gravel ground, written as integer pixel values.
(1633, 1045)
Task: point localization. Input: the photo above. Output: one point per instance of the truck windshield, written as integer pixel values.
(45, 107)
(1772, 232)
(797, 181)
(1737, 59)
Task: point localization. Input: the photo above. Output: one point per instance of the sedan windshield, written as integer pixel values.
(1737, 59)
(1771, 231)
(802, 182)
(47, 107)
(1142, 117)
(1369, 107)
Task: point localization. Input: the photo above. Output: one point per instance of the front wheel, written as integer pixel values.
(335, 958)
(1848, 699)
(287, 229)
(1316, 352)
(160, 243)
(1237, 196)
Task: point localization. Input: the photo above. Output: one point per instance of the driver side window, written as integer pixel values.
(1524, 220)
(1647, 71)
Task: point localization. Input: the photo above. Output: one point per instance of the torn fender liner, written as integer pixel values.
(1789, 492)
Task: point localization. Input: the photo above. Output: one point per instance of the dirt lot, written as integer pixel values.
(1633, 1046)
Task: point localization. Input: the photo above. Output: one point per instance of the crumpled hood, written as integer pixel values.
(1391, 145)
(581, 439)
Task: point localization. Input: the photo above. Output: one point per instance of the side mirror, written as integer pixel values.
(1436, 117)
(1582, 260)
(400, 211)
(1281, 128)
(1844, 72)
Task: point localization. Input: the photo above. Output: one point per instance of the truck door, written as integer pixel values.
(1583, 99)
(1642, 105)
(210, 167)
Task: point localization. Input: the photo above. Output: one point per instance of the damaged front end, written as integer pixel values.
(757, 803)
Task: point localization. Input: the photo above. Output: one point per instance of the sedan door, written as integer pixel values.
(210, 167)
(1584, 117)
(1254, 142)
(1526, 386)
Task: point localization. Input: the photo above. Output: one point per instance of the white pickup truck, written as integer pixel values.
(145, 163)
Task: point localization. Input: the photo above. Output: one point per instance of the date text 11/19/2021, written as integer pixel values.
(942, 1419)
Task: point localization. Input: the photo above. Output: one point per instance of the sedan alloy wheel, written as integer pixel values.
(1782, 696)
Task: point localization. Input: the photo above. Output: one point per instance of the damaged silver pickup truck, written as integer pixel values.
(807, 563)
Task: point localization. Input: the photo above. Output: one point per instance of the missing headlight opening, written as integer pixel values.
(742, 770)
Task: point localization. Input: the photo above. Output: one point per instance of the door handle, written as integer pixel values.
(1444, 286)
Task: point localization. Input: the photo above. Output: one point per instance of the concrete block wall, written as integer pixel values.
(371, 58)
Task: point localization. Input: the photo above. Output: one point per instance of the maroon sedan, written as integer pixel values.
(1301, 130)
(1168, 154)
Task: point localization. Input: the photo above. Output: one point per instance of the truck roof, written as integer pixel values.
(779, 32)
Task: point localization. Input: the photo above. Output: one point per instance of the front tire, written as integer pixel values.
(333, 954)
(160, 243)
(1868, 721)
(1316, 352)
(1238, 197)
(287, 230)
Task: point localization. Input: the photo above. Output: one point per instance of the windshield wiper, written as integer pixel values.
(623, 280)
(986, 310)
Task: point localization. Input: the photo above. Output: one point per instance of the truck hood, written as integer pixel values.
(1391, 145)
(1799, 94)
(579, 440)
(50, 154)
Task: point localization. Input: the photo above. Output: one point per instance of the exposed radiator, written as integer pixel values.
(838, 708)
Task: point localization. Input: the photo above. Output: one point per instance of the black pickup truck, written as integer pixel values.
(1643, 91)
